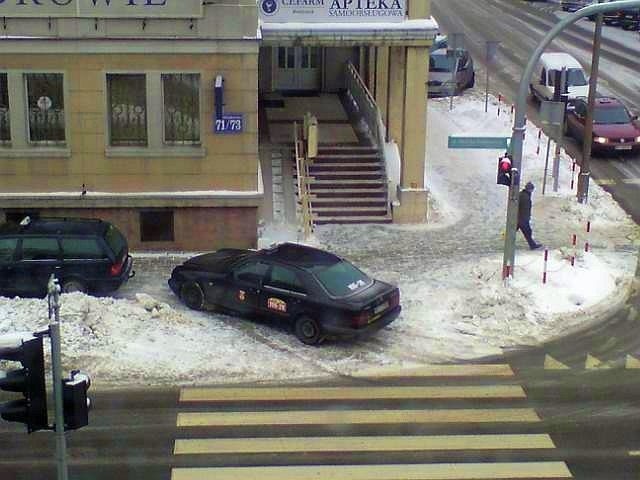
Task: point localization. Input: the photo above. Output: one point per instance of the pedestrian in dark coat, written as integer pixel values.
(524, 215)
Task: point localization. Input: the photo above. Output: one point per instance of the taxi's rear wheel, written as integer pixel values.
(73, 285)
(192, 295)
(308, 331)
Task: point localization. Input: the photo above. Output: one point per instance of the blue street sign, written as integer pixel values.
(229, 123)
(485, 143)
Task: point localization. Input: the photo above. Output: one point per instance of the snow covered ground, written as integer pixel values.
(455, 305)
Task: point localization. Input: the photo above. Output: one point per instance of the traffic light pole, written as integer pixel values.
(585, 169)
(517, 138)
(56, 363)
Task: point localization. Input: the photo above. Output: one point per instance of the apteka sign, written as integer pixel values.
(101, 8)
(339, 11)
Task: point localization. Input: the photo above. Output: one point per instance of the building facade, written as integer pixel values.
(145, 112)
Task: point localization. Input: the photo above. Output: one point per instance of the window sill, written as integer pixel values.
(183, 152)
(35, 152)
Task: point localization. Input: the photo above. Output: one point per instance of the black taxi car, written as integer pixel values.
(318, 293)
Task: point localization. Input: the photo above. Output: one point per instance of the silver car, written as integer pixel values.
(442, 63)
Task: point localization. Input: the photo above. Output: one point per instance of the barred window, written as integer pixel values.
(5, 130)
(127, 109)
(181, 93)
(45, 99)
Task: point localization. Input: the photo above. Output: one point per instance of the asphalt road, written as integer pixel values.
(520, 26)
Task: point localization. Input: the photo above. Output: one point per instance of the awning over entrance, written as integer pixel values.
(419, 32)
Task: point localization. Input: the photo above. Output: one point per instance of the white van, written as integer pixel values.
(542, 81)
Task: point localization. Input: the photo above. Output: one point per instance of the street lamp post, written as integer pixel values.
(517, 138)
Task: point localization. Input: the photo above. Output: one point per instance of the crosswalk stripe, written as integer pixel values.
(354, 417)
(592, 363)
(631, 362)
(458, 370)
(439, 471)
(551, 363)
(631, 181)
(362, 444)
(634, 453)
(352, 393)
(605, 181)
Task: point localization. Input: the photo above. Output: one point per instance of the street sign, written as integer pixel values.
(552, 113)
(229, 123)
(485, 143)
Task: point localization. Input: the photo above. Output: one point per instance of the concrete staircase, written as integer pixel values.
(349, 185)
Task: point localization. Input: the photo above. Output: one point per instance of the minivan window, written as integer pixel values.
(575, 77)
(440, 63)
(7, 248)
(82, 248)
(40, 248)
(115, 240)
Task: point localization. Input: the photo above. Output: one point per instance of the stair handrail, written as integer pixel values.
(302, 169)
(366, 105)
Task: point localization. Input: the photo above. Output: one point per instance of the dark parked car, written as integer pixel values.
(85, 255)
(575, 5)
(317, 293)
(614, 128)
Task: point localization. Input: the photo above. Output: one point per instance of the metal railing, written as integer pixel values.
(365, 107)
(302, 169)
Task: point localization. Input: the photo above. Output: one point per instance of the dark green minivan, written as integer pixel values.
(85, 255)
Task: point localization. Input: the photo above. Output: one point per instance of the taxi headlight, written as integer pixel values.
(600, 139)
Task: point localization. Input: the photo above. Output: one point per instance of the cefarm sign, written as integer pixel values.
(101, 8)
(334, 11)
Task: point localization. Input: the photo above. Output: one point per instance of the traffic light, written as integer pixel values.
(75, 401)
(504, 171)
(29, 380)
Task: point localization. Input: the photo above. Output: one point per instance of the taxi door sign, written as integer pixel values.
(277, 305)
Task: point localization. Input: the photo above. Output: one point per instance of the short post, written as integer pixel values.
(539, 137)
(574, 242)
(544, 272)
(573, 174)
(586, 243)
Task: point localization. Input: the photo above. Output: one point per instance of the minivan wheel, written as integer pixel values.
(73, 285)
(192, 295)
(308, 331)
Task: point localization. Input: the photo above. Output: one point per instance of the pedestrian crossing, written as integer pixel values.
(452, 422)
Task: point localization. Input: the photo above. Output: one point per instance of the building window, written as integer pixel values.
(45, 103)
(156, 226)
(127, 109)
(5, 130)
(181, 93)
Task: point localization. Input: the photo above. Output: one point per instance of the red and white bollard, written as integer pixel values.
(586, 244)
(539, 137)
(574, 242)
(544, 271)
(499, 103)
(573, 174)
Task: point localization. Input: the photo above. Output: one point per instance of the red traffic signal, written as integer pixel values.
(504, 171)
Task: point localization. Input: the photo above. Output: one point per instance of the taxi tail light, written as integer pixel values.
(394, 299)
(116, 268)
(360, 319)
